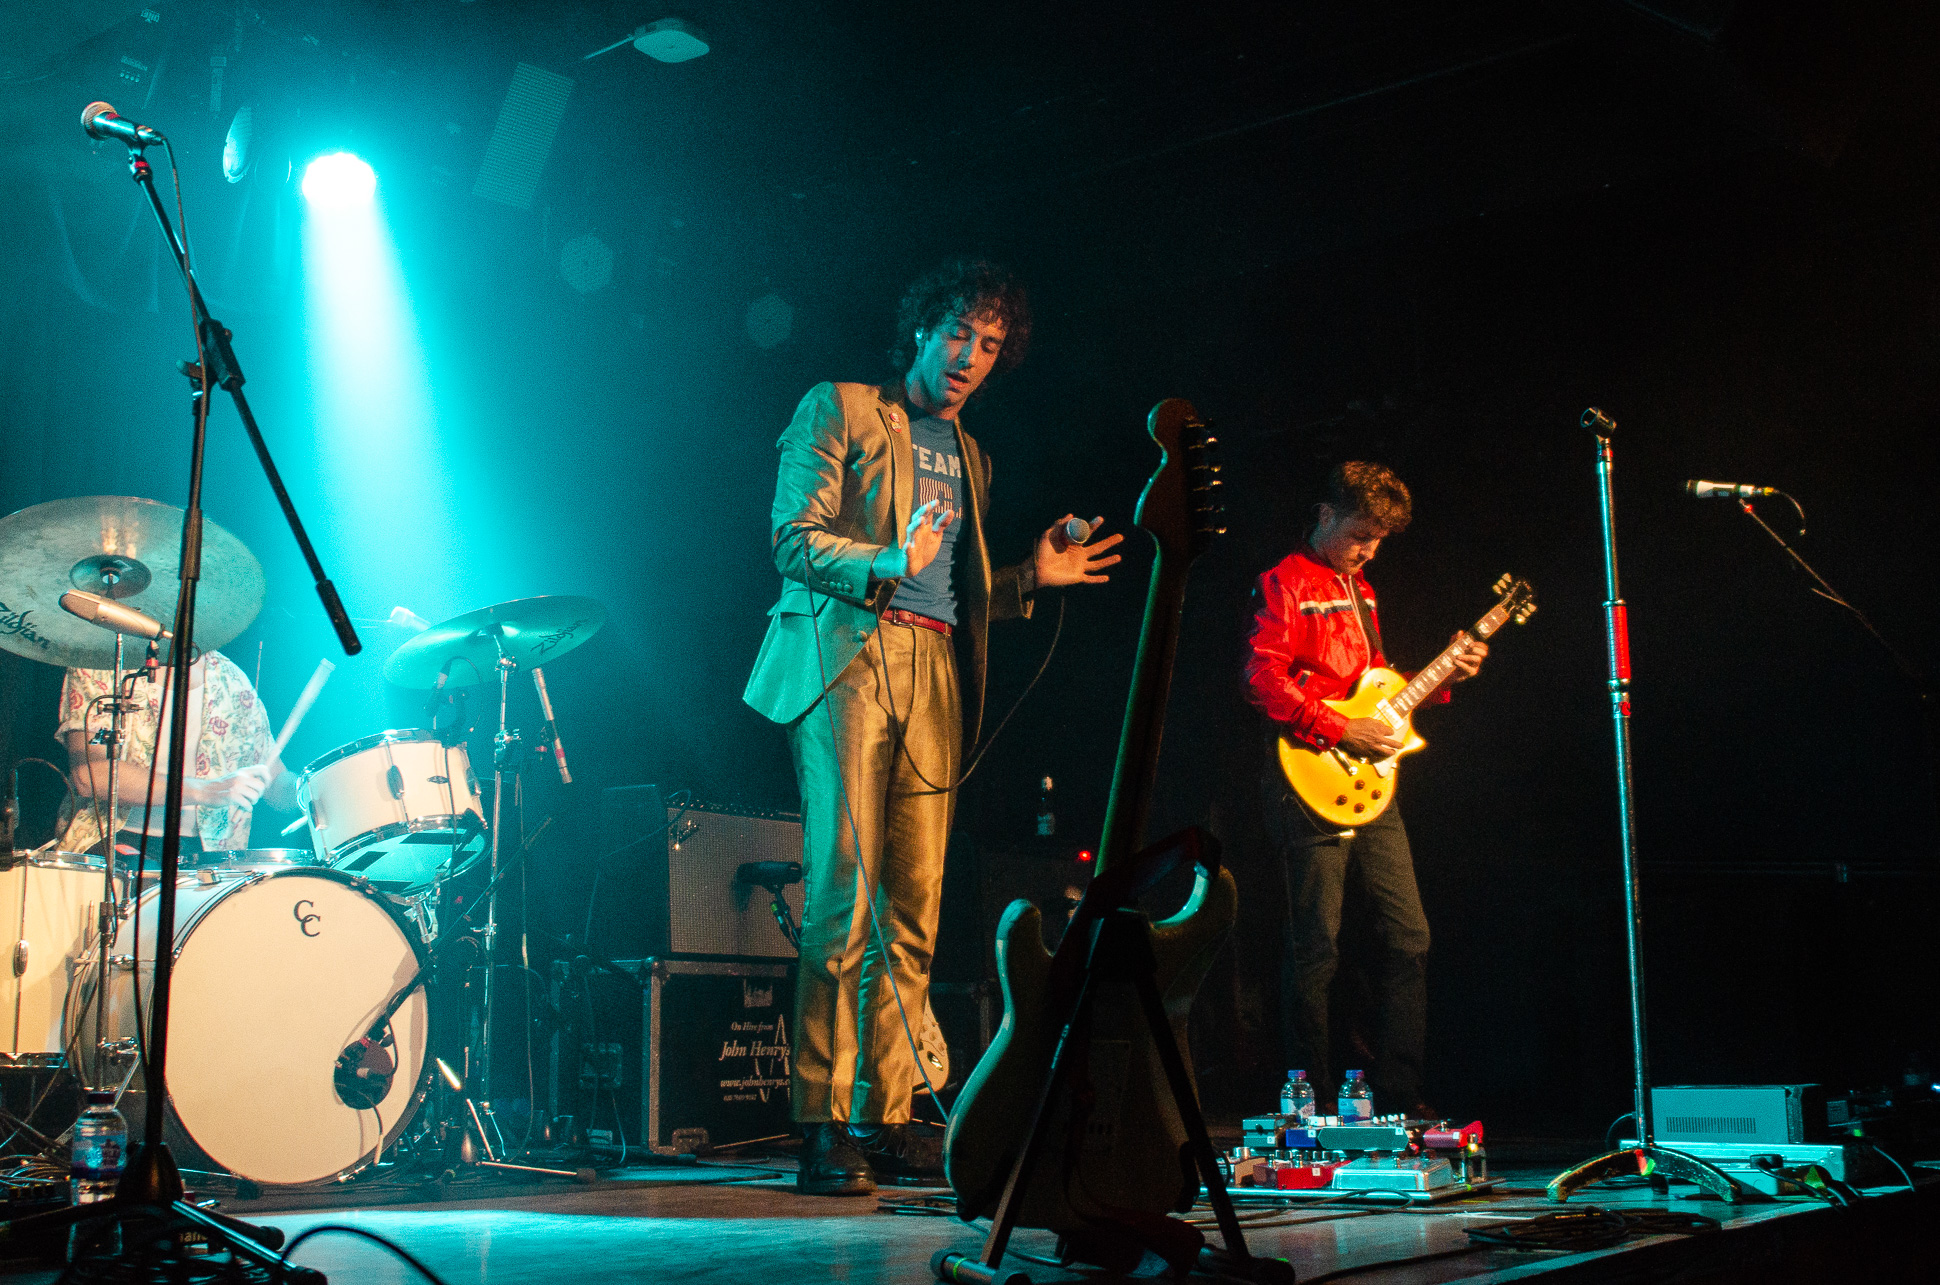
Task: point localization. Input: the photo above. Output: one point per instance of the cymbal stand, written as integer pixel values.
(504, 746)
(108, 913)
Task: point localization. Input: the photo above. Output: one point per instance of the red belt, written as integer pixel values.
(897, 616)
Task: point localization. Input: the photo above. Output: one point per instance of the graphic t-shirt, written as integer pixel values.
(939, 477)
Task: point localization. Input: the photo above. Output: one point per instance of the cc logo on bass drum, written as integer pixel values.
(306, 915)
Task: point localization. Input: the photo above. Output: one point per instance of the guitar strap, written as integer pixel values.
(1367, 619)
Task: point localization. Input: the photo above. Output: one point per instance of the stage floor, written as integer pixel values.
(744, 1225)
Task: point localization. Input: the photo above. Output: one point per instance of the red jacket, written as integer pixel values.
(1308, 646)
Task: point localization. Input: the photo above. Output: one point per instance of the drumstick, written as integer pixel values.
(302, 707)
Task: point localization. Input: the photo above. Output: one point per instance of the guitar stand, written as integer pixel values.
(1120, 948)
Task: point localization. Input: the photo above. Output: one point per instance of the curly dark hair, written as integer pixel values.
(1371, 490)
(964, 288)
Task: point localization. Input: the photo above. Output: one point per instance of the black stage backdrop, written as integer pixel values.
(1427, 234)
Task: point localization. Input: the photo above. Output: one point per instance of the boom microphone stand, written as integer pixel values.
(148, 1206)
(1922, 689)
(1646, 1157)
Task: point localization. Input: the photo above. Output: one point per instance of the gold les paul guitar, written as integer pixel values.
(1343, 790)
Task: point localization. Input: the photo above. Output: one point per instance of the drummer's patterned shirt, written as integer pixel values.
(234, 734)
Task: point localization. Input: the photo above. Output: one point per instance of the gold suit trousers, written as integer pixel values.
(893, 717)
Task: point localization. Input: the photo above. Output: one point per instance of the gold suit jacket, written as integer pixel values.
(843, 493)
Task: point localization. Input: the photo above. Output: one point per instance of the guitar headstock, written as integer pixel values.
(1180, 504)
(1518, 598)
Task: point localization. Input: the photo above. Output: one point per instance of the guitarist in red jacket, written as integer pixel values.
(1315, 632)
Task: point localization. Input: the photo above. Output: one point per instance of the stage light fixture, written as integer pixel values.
(586, 262)
(769, 321)
(339, 180)
(238, 150)
(667, 40)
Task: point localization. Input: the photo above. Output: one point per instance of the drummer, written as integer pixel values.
(229, 736)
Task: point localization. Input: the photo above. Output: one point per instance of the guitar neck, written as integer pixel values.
(1136, 772)
(1437, 672)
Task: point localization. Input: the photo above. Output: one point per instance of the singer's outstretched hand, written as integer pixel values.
(1057, 561)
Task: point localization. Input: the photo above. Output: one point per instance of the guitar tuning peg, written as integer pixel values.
(1502, 582)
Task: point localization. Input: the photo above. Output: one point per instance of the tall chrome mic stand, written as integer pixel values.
(1647, 1157)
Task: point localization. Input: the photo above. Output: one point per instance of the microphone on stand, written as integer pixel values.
(110, 614)
(1731, 490)
(558, 746)
(101, 121)
(1599, 423)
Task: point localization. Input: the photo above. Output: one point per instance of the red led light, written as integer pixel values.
(1084, 854)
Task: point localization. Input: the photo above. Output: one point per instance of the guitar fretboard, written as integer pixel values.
(1438, 671)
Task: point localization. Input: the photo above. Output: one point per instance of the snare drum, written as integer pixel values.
(396, 808)
(277, 973)
(48, 921)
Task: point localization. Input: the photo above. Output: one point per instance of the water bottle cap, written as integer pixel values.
(101, 1097)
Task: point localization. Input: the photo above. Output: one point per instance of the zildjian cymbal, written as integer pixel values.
(122, 547)
(467, 648)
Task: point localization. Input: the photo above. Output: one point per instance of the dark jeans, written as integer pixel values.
(1318, 866)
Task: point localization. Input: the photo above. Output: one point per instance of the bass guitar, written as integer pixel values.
(1343, 790)
(1070, 1122)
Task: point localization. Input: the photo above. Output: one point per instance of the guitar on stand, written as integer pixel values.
(1344, 791)
(1082, 1117)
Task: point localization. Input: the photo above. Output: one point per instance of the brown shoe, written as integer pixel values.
(832, 1165)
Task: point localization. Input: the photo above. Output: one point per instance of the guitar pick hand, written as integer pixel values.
(1370, 738)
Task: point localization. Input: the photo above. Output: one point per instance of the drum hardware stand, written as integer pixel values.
(477, 1113)
(505, 751)
(111, 910)
(108, 914)
(1647, 1157)
(149, 1204)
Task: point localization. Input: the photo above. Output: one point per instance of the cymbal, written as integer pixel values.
(529, 631)
(118, 546)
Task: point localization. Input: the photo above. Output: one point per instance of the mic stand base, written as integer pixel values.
(148, 1210)
(1656, 1163)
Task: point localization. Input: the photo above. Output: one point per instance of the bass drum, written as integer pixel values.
(277, 972)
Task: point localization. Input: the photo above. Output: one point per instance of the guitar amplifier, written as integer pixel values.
(672, 894)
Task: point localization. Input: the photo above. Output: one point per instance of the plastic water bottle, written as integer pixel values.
(1356, 1099)
(100, 1142)
(1047, 820)
(1297, 1097)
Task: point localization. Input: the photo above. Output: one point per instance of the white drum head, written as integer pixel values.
(270, 986)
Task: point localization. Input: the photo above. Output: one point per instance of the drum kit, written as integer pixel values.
(301, 1032)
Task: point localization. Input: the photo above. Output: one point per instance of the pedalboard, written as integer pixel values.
(1419, 1159)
